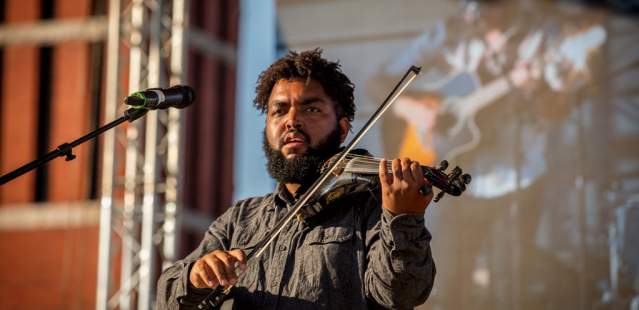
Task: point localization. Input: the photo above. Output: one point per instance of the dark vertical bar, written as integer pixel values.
(220, 96)
(44, 105)
(230, 11)
(189, 239)
(96, 81)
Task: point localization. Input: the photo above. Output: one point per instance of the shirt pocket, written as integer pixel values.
(326, 258)
(337, 228)
(322, 236)
(248, 234)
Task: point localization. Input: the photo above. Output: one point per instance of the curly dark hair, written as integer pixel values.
(308, 65)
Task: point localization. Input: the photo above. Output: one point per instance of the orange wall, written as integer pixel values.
(49, 268)
(70, 108)
(19, 106)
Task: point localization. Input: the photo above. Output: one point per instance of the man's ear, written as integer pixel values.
(344, 126)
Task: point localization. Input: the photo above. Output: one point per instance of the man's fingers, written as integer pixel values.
(201, 276)
(397, 170)
(195, 279)
(384, 176)
(207, 276)
(408, 191)
(417, 173)
(407, 174)
(240, 257)
(218, 269)
(228, 262)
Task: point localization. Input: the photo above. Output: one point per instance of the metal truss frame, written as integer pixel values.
(140, 164)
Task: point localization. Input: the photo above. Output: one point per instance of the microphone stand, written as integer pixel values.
(66, 149)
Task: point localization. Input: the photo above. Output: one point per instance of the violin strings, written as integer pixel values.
(366, 164)
(369, 159)
(364, 157)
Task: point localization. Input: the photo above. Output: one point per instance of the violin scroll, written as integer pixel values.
(452, 184)
(443, 165)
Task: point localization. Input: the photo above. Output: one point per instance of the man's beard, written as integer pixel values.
(302, 169)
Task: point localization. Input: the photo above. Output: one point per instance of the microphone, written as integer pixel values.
(178, 96)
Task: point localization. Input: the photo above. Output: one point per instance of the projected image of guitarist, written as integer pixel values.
(440, 112)
(443, 123)
(495, 87)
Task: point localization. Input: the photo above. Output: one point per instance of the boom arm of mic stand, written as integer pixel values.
(66, 149)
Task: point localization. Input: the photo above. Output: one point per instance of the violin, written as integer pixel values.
(348, 171)
(359, 172)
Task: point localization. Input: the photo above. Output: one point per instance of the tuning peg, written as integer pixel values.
(439, 196)
(456, 173)
(443, 165)
(466, 178)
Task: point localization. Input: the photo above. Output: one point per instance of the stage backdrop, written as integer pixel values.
(539, 101)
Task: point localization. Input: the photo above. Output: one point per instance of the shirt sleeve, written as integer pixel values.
(173, 289)
(400, 271)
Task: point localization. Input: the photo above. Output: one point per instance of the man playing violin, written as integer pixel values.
(370, 249)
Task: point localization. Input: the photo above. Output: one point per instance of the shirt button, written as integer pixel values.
(282, 247)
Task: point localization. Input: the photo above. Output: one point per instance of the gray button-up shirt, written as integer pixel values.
(355, 255)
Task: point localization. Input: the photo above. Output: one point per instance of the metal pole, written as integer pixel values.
(131, 187)
(177, 64)
(108, 171)
(150, 201)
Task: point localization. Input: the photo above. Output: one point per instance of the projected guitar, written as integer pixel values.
(456, 131)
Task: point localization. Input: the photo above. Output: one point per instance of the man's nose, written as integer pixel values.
(293, 119)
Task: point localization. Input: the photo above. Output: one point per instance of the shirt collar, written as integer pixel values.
(282, 197)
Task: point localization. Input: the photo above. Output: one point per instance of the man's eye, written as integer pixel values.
(277, 111)
(312, 109)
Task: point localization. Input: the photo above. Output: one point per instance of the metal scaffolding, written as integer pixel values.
(140, 196)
